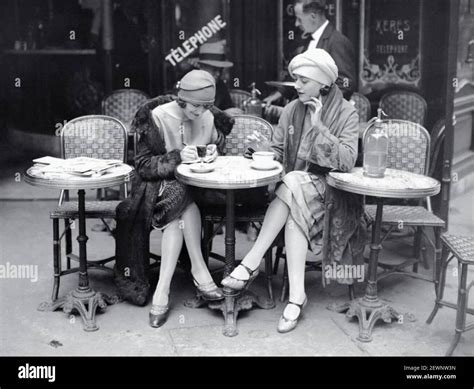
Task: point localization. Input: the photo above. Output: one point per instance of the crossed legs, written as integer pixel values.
(187, 229)
(277, 217)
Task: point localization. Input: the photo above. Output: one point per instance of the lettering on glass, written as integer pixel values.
(391, 50)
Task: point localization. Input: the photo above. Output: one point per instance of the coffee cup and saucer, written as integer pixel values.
(263, 160)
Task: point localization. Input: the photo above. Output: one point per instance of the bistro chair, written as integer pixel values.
(95, 136)
(272, 113)
(362, 105)
(404, 105)
(409, 150)
(238, 97)
(236, 145)
(123, 104)
(461, 248)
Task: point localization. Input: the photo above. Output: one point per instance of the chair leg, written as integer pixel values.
(351, 292)
(278, 255)
(268, 273)
(417, 248)
(437, 258)
(56, 259)
(207, 232)
(68, 238)
(442, 282)
(461, 310)
(284, 286)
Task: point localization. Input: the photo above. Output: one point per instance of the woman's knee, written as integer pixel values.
(292, 178)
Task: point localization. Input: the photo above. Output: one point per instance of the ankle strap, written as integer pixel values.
(249, 271)
(298, 305)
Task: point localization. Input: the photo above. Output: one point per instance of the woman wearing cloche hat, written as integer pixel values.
(168, 134)
(317, 133)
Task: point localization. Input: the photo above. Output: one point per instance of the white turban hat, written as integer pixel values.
(315, 64)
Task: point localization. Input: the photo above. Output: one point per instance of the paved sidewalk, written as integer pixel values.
(25, 238)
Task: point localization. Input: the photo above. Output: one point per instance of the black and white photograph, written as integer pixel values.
(237, 178)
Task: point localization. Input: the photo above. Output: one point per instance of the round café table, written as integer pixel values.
(231, 173)
(395, 184)
(84, 299)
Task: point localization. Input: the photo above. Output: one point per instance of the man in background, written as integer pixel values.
(212, 59)
(311, 19)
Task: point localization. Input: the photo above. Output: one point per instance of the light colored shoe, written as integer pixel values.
(287, 325)
(237, 284)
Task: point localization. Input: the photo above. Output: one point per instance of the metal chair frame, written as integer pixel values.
(461, 248)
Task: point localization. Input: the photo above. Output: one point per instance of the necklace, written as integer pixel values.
(181, 131)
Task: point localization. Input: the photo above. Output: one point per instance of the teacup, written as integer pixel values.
(263, 158)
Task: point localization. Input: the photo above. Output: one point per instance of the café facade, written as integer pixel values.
(59, 58)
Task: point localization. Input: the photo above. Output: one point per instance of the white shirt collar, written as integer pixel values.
(319, 32)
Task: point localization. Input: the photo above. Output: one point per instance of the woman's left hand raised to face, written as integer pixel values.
(211, 153)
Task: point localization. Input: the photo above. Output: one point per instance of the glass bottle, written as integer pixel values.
(376, 149)
(254, 106)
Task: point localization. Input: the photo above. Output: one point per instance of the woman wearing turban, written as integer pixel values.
(317, 133)
(168, 133)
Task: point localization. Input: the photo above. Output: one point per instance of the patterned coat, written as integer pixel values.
(153, 164)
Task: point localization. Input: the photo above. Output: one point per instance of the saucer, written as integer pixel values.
(199, 168)
(271, 166)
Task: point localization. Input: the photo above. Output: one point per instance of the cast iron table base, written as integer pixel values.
(369, 309)
(83, 299)
(233, 301)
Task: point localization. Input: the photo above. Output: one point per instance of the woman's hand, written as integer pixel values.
(315, 107)
(189, 153)
(211, 153)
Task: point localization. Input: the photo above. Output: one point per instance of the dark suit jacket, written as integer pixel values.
(341, 50)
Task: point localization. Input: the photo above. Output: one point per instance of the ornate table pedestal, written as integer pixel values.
(395, 184)
(83, 299)
(231, 173)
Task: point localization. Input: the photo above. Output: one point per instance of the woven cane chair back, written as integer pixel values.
(236, 141)
(362, 105)
(94, 136)
(123, 104)
(238, 96)
(408, 147)
(404, 105)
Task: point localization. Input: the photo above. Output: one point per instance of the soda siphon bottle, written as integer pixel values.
(376, 149)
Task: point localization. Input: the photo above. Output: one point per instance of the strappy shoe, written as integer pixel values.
(158, 315)
(209, 291)
(287, 325)
(237, 284)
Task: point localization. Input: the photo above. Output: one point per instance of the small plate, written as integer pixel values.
(274, 165)
(199, 168)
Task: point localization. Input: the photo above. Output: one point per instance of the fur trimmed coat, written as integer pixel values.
(145, 206)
